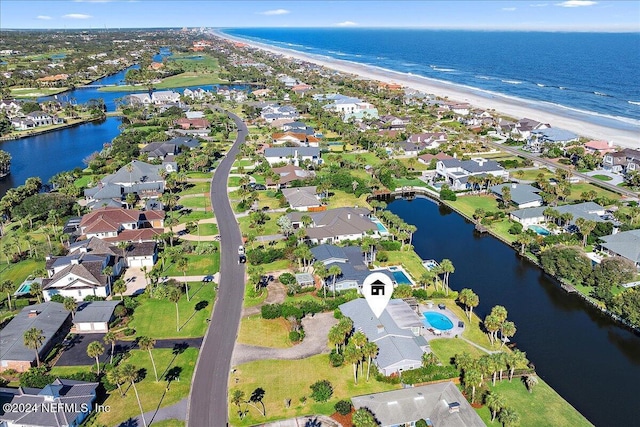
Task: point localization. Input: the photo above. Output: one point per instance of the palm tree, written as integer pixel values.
(495, 402)
(174, 296)
(492, 325)
(114, 376)
(110, 338)
(321, 271)
(306, 221)
(123, 245)
(33, 339)
(147, 343)
(370, 351)
(7, 286)
(507, 330)
(353, 355)
(237, 398)
(586, 226)
(447, 268)
(334, 271)
(119, 287)
(359, 339)
(108, 271)
(36, 291)
(335, 337)
(95, 349)
(531, 381)
(182, 264)
(515, 359)
(524, 240)
(70, 305)
(472, 378)
(508, 417)
(130, 373)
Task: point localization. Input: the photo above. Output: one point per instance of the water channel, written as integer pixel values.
(585, 356)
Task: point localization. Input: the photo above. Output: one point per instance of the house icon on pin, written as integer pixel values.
(377, 288)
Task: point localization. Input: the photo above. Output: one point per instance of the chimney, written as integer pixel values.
(454, 407)
(83, 249)
(349, 216)
(33, 313)
(75, 261)
(380, 329)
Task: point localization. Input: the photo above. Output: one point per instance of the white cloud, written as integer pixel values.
(77, 16)
(275, 12)
(509, 9)
(44, 17)
(539, 5)
(576, 3)
(346, 24)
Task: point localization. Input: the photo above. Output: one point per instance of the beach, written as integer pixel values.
(555, 115)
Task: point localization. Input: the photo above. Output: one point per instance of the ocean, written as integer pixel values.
(592, 76)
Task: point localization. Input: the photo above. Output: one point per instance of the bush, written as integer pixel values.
(429, 373)
(57, 298)
(343, 407)
(289, 310)
(264, 256)
(93, 298)
(287, 279)
(271, 311)
(131, 303)
(382, 257)
(36, 378)
(322, 391)
(421, 423)
(516, 228)
(336, 359)
(390, 245)
(295, 336)
(337, 314)
(447, 194)
(129, 332)
(420, 294)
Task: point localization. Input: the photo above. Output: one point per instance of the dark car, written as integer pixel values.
(242, 259)
(259, 187)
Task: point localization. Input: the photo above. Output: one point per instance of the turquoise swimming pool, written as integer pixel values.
(399, 276)
(539, 230)
(437, 321)
(24, 289)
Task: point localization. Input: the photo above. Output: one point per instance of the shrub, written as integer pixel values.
(264, 256)
(287, 279)
(131, 303)
(57, 298)
(36, 378)
(429, 373)
(336, 359)
(421, 423)
(390, 245)
(420, 294)
(447, 194)
(129, 332)
(93, 298)
(343, 407)
(289, 310)
(516, 228)
(382, 257)
(322, 391)
(295, 336)
(271, 311)
(337, 314)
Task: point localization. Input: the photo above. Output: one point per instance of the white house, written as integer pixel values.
(295, 155)
(336, 225)
(457, 172)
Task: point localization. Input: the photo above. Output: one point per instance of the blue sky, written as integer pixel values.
(554, 15)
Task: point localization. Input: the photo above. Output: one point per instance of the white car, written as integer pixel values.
(241, 250)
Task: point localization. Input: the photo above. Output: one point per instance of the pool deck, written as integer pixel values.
(456, 330)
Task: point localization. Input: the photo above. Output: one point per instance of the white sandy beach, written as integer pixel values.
(513, 107)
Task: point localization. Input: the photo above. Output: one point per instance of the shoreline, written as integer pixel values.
(562, 117)
(43, 131)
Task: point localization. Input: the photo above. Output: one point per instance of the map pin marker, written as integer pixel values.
(377, 289)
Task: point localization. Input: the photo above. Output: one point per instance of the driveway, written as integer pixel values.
(135, 281)
(615, 178)
(316, 329)
(76, 353)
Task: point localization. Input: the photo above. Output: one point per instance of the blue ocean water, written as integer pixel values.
(591, 73)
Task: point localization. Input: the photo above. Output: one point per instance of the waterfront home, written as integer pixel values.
(397, 332)
(521, 195)
(533, 216)
(440, 404)
(302, 198)
(273, 111)
(413, 97)
(94, 316)
(349, 107)
(10, 108)
(49, 317)
(55, 80)
(428, 158)
(260, 93)
(73, 402)
(599, 147)
(287, 81)
(117, 224)
(622, 161)
(301, 89)
(539, 137)
(185, 123)
(457, 172)
(287, 175)
(350, 260)
(625, 244)
(294, 155)
(336, 225)
(156, 98)
(522, 128)
(34, 120)
(198, 94)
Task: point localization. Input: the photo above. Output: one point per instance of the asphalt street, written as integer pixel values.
(208, 400)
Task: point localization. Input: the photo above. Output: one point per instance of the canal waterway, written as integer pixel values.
(584, 355)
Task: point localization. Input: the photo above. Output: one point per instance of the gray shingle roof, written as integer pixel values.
(336, 222)
(95, 311)
(625, 244)
(51, 316)
(301, 196)
(520, 193)
(555, 134)
(291, 151)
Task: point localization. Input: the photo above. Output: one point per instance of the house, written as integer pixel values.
(389, 86)
(532, 216)
(63, 403)
(159, 150)
(22, 123)
(261, 92)
(56, 80)
(397, 332)
(198, 94)
(428, 158)
(272, 112)
(415, 98)
(336, 225)
(302, 198)
(522, 195)
(428, 139)
(348, 107)
(185, 123)
(295, 155)
(457, 172)
(137, 254)
(625, 244)
(540, 137)
(35, 119)
(439, 404)
(297, 127)
(117, 224)
(364, 113)
(599, 147)
(301, 89)
(522, 128)
(10, 107)
(49, 317)
(393, 122)
(137, 177)
(165, 97)
(289, 174)
(141, 254)
(287, 81)
(94, 316)
(350, 260)
(622, 161)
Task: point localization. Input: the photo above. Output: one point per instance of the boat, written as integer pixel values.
(430, 264)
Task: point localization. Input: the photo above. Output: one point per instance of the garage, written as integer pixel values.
(94, 316)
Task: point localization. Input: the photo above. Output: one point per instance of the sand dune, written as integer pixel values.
(556, 116)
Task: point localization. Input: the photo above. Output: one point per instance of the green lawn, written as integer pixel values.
(409, 182)
(279, 380)
(244, 162)
(83, 181)
(234, 181)
(542, 407)
(17, 273)
(192, 216)
(270, 226)
(532, 174)
(199, 175)
(281, 264)
(472, 330)
(501, 228)
(195, 202)
(409, 260)
(447, 348)
(156, 318)
(250, 300)
(341, 199)
(179, 80)
(602, 177)
(196, 188)
(468, 204)
(255, 330)
(208, 229)
(169, 423)
(578, 189)
(29, 92)
(198, 265)
(152, 394)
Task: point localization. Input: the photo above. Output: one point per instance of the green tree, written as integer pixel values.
(174, 296)
(94, 350)
(495, 402)
(182, 264)
(507, 330)
(114, 376)
(119, 287)
(446, 268)
(70, 304)
(509, 417)
(531, 381)
(514, 359)
(353, 355)
(110, 338)
(364, 418)
(321, 391)
(36, 291)
(33, 339)
(472, 379)
(148, 343)
(370, 351)
(334, 271)
(6, 286)
(237, 398)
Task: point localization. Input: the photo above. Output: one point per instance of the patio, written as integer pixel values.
(433, 333)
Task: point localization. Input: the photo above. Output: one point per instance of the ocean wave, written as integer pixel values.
(337, 53)
(601, 94)
(512, 82)
(444, 70)
(484, 77)
(540, 85)
(634, 102)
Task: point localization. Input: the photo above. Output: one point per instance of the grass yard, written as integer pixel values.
(250, 299)
(30, 92)
(83, 181)
(409, 260)
(152, 394)
(409, 182)
(198, 265)
(169, 423)
(341, 199)
(192, 216)
(469, 204)
(208, 229)
(578, 189)
(541, 407)
(17, 273)
(199, 175)
(195, 61)
(447, 348)
(281, 264)
(269, 227)
(502, 229)
(196, 188)
(532, 174)
(281, 380)
(244, 162)
(157, 318)
(472, 330)
(602, 177)
(195, 202)
(234, 181)
(255, 330)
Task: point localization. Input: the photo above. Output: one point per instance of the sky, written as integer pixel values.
(543, 15)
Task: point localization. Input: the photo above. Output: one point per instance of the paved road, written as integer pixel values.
(208, 399)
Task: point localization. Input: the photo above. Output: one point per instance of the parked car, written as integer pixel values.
(241, 250)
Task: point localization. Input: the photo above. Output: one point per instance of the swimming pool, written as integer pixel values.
(399, 276)
(24, 289)
(381, 228)
(539, 230)
(437, 321)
